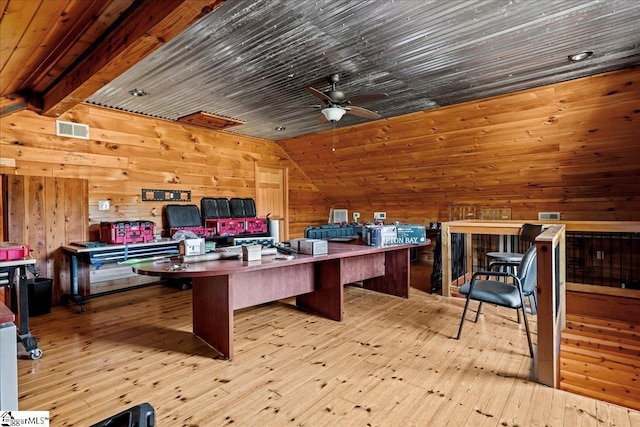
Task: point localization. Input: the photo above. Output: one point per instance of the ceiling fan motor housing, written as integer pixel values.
(337, 96)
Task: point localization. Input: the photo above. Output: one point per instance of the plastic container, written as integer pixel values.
(11, 251)
(40, 292)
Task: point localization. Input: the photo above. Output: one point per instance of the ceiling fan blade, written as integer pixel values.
(362, 112)
(318, 94)
(359, 99)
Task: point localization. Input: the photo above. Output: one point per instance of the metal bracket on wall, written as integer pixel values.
(166, 195)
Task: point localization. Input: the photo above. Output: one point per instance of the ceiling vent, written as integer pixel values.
(72, 130)
(548, 216)
(210, 121)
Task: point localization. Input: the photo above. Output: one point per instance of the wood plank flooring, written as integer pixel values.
(391, 362)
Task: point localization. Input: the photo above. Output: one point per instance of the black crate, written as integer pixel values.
(40, 292)
(179, 216)
(242, 208)
(215, 207)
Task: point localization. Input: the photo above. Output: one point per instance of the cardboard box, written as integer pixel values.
(313, 247)
(190, 247)
(380, 235)
(251, 252)
(295, 243)
(411, 234)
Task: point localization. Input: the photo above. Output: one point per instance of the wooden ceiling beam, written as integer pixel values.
(147, 26)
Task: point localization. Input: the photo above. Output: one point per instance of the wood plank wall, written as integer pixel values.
(45, 213)
(125, 153)
(128, 152)
(571, 148)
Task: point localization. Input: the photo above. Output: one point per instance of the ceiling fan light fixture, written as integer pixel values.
(581, 56)
(333, 114)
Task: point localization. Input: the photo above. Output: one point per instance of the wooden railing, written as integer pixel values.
(551, 293)
(552, 275)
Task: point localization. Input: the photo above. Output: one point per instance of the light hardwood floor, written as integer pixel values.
(391, 362)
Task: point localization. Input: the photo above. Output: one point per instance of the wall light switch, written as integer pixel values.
(379, 215)
(103, 205)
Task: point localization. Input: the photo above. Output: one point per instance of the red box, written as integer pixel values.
(198, 231)
(122, 232)
(255, 225)
(226, 226)
(12, 251)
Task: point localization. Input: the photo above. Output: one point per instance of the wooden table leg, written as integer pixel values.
(213, 313)
(327, 297)
(396, 277)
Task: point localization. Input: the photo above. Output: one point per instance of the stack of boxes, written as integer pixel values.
(389, 235)
(123, 232)
(220, 217)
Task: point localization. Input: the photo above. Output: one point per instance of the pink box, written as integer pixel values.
(198, 231)
(226, 226)
(255, 225)
(123, 232)
(11, 251)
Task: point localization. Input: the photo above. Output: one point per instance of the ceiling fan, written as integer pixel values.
(337, 105)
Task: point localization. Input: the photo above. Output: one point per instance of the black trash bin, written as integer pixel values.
(39, 296)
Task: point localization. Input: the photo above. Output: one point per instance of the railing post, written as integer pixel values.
(550, 293)
(445, 239)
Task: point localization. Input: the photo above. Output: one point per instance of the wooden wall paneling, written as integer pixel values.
(75, 198)
(532, 151)
(16, 209)
(610, 307)
(4, 183)
(65, 157)
(569, 147)
(46, 213)
(144, 152)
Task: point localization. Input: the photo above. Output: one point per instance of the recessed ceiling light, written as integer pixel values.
(138, 92)
(580, 56)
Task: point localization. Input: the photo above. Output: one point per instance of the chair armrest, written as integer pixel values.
(503, 264)
(488, 274)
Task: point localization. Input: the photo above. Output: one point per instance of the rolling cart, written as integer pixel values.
(19, 303)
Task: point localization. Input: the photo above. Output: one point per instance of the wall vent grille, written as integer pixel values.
(72, 130)
(548, 216)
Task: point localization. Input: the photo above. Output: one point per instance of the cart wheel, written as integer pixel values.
(81, 308)
(35, 354)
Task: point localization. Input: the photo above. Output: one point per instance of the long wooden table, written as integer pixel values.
(222, 286)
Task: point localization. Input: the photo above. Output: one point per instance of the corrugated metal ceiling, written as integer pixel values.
(251, 60)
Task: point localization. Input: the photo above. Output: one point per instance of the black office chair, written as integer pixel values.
(491, 287)
(527, 237)
(508, 261)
